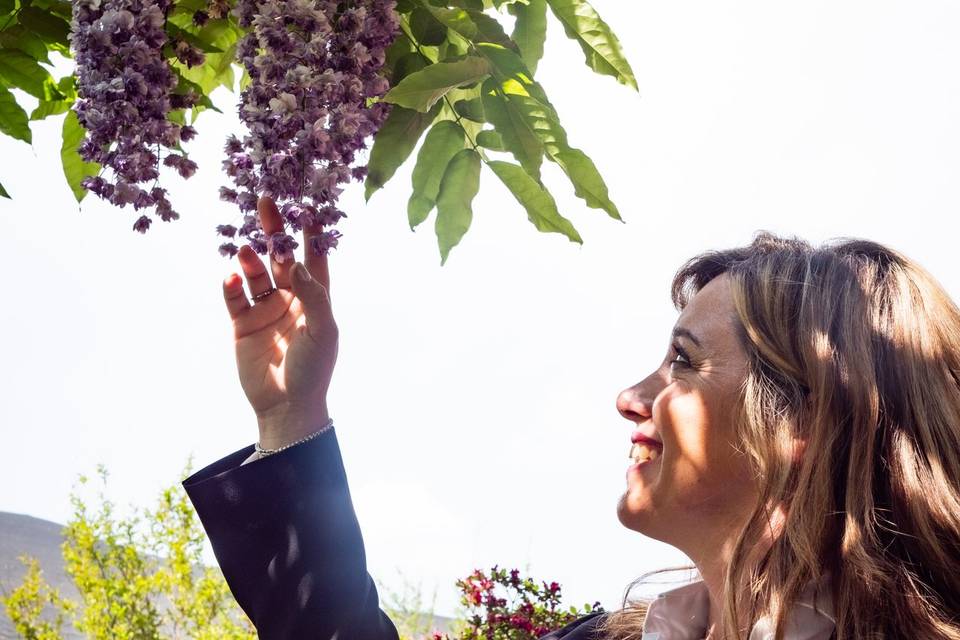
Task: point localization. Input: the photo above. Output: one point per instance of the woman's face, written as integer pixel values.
(687, 477)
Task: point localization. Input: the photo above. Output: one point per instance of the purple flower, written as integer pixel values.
(314, 68)
(228, 249)
(227, 230)
(142, 224)
(124, 87)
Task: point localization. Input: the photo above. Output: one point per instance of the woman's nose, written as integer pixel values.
(636, 403)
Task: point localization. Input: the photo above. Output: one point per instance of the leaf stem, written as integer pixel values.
(457, 118)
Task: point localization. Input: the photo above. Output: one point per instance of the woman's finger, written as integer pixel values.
(258, 280)
(316, 265)
(234, 296)
(272, 223)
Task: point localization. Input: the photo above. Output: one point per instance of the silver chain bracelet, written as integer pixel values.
(267, 452)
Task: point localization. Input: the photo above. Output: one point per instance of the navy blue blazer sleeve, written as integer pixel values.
(286, 537)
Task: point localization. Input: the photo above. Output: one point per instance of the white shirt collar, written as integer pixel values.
(681, 614)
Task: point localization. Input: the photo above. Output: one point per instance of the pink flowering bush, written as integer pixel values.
(503, 605)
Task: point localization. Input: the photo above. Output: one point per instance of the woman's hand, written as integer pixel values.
(287, 342)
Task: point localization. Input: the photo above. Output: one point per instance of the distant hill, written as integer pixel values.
(25, 535)
(41, 539)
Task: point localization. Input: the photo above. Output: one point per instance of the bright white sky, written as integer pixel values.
(475, 402)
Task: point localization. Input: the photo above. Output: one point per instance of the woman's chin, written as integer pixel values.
(634, 509)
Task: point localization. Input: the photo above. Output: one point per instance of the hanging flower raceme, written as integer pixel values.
(315, 69)
(125, 86)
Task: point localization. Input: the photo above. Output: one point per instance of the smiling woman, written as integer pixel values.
(800, 441)
(808, 418)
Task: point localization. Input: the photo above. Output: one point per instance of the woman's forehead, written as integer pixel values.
(710, 315)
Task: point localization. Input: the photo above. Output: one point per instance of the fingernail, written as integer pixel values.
(300, 272)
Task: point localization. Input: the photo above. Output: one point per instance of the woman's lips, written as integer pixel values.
(645, 448)
(639, 437)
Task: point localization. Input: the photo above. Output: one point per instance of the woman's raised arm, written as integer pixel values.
(283, 527)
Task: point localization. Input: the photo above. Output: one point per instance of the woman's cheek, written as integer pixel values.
(689, 470)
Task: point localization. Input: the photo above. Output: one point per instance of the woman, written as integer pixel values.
(800, 442)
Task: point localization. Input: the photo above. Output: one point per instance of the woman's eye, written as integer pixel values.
(680, 359)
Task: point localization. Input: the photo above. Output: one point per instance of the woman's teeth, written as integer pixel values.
(641, 453)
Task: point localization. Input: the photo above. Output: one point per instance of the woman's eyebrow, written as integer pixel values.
(680, 332)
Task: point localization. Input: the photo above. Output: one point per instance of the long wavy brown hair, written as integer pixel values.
(854, 350)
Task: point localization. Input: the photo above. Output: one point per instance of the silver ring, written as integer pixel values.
(261, 296)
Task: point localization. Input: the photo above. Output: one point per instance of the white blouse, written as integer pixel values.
(681, 614)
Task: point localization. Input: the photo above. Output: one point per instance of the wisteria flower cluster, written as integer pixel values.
(507, 606)
(312, 103)
(125, 88)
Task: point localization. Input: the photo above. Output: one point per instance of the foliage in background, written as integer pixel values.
(461, 83)
(138, 577)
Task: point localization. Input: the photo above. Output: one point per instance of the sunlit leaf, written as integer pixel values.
(600, 46)
(490, 140)
(540, 206)
(422, 89)
(17, 69)
(393, 144)
(518, 138)
(460, 184)
(191, 39)
(440, 145)
(13, 119)
(530, 31)
(74, 168)
(17, 37)
(457, 20)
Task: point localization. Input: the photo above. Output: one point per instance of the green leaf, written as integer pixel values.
(425, 28)
(408, 64)
(401, 47)
(490, 140)
(394, 143)
(586, 179)
(476, 5)
(51, 28)
(6, 6)
(600, 46)
(19, 70)
(518, 138)
(470, 109)
(13, 119)
(530, 31)
(47, 108)
(191, 39)
(59, 7)
(540, 206)
(526, 105)
(544, 123)
(74, 168)
(508, 65)
(441, 144)
(460, 183)
(17, 37)
(422, 89)
(50, 108)
(3, 192)
(490, 30)
(186, 86)
(217, 69)
(456, 20)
